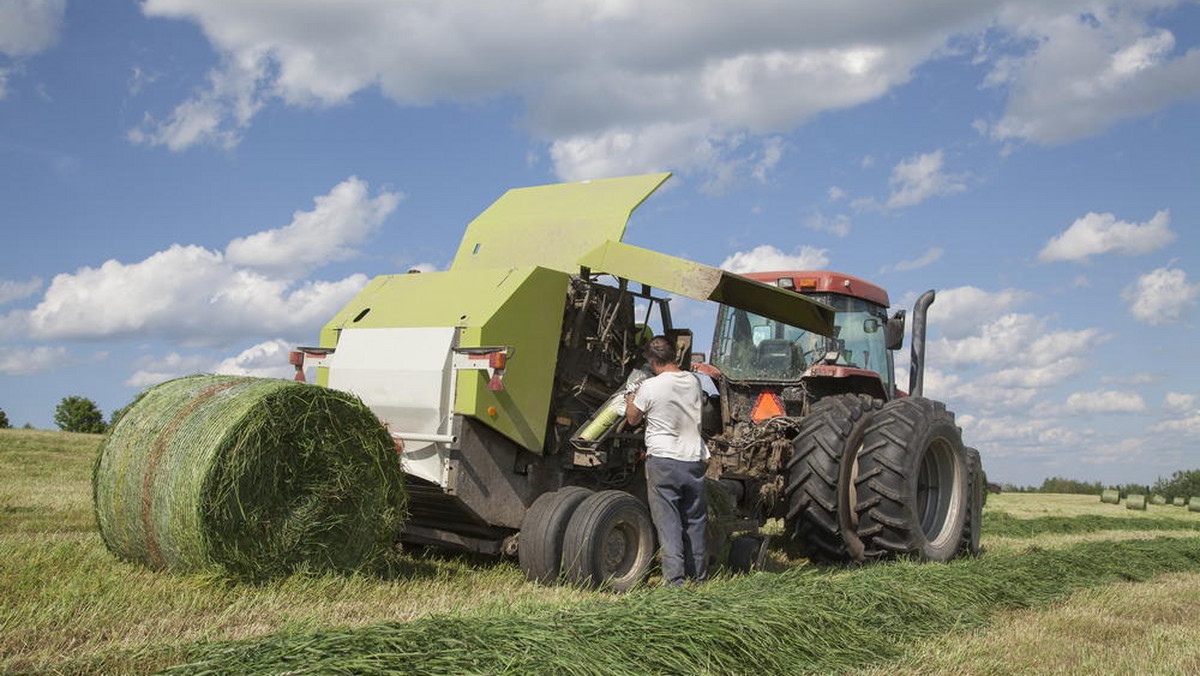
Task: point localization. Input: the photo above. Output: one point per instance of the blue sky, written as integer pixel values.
(196, 185)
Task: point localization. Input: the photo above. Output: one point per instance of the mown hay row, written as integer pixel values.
(1136, 502)
(248, 476)
(1110, 496)
(799, 621)
(1001, 524)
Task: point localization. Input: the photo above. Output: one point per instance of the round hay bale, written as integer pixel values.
(1135, 502)
(252, 477)
(1110, 496)
(1158, 500)
(1179, 501)
(1194, 504)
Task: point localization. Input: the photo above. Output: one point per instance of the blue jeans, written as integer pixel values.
(679, 508)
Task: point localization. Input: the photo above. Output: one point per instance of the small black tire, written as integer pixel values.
(609, 542)
(744, 554)
(820, 516)
(540, 548)
(912, 482)
(976, 495)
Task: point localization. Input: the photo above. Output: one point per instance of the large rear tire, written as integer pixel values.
(976, 494)
(609, 542)
(912, 482)
(540, 550)
(821, 474)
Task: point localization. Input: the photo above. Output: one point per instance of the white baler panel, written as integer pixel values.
(404, 376)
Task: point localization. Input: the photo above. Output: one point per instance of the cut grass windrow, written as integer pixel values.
(799, 621)
(1000, 524)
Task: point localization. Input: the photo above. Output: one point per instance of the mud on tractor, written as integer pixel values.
(502, 381)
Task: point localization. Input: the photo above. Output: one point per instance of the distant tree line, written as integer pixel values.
(78, 414)
(1183, 483)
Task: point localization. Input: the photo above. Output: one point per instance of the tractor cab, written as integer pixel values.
(856, 358)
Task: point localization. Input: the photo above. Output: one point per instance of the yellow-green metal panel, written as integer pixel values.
(530, 321)
(520, 307)
(553, 225)
(703, 282)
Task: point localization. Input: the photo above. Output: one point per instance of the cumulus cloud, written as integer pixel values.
(264, 360)
(1189, 425)
(837, 225)
(766, 257)
(1105, 401)
(19, 361)
(1088, 70)
(29, 26)
(1016, 338)
(1178, 401)
(920, 177)
(11, 291)
(195, 296)
(341, 220)
(152, 371)
(1162, 296)
(965, 310)
(1102, 233)
(928, 258)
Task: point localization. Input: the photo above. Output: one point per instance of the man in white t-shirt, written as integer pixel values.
(675, 453)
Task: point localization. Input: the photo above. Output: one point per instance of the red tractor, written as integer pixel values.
(814, 430)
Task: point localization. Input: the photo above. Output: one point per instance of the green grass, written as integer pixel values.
(68, 606)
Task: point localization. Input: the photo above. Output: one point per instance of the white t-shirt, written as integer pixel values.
(671, 403)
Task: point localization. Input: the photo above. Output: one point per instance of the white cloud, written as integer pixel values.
(1008, 436)
(838, 225)
(836, 194)
(1088, 70)
(1102, 233)
(868, 161)
(1178, 401)
(151, 371)
(920, 177)
(29, 26)
(1132, 379)
(766, 258)
(1189, 426)
(341, 220)
(1039, 376)
(1105, 401)
(13, 291)
(928, 258)
(265, 360)
(965, 310)
(195, 296)
(1162, 296)
(4, 83)
(17, 361)
(1016, 338)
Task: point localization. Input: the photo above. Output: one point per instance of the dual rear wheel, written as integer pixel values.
(599, 539)
(871, 480)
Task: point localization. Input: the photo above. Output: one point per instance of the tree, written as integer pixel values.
(1182, 484)
(78, 414)
(3, 420)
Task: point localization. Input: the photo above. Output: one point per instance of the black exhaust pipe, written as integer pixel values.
(916, 367)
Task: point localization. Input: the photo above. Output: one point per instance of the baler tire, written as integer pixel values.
(540, 549)
(820, 516)
(744, 554)
(609, 542)
(977, 493)
(912, 482)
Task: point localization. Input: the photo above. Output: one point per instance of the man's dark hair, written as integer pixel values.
(660, 351)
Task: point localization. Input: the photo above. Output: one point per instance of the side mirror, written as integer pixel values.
(699, 357)
(895, 331)
(870, 325)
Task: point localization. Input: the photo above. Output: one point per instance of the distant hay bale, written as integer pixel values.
(1135, 502)
(1158, 500)
(1194, 504)
(1110, 496)
(252, 477)
(1179, 501)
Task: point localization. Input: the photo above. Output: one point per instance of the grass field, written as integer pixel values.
(1055, 566)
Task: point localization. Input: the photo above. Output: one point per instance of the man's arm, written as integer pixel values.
(633, 415)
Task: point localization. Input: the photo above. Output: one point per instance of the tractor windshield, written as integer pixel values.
(749, 347)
